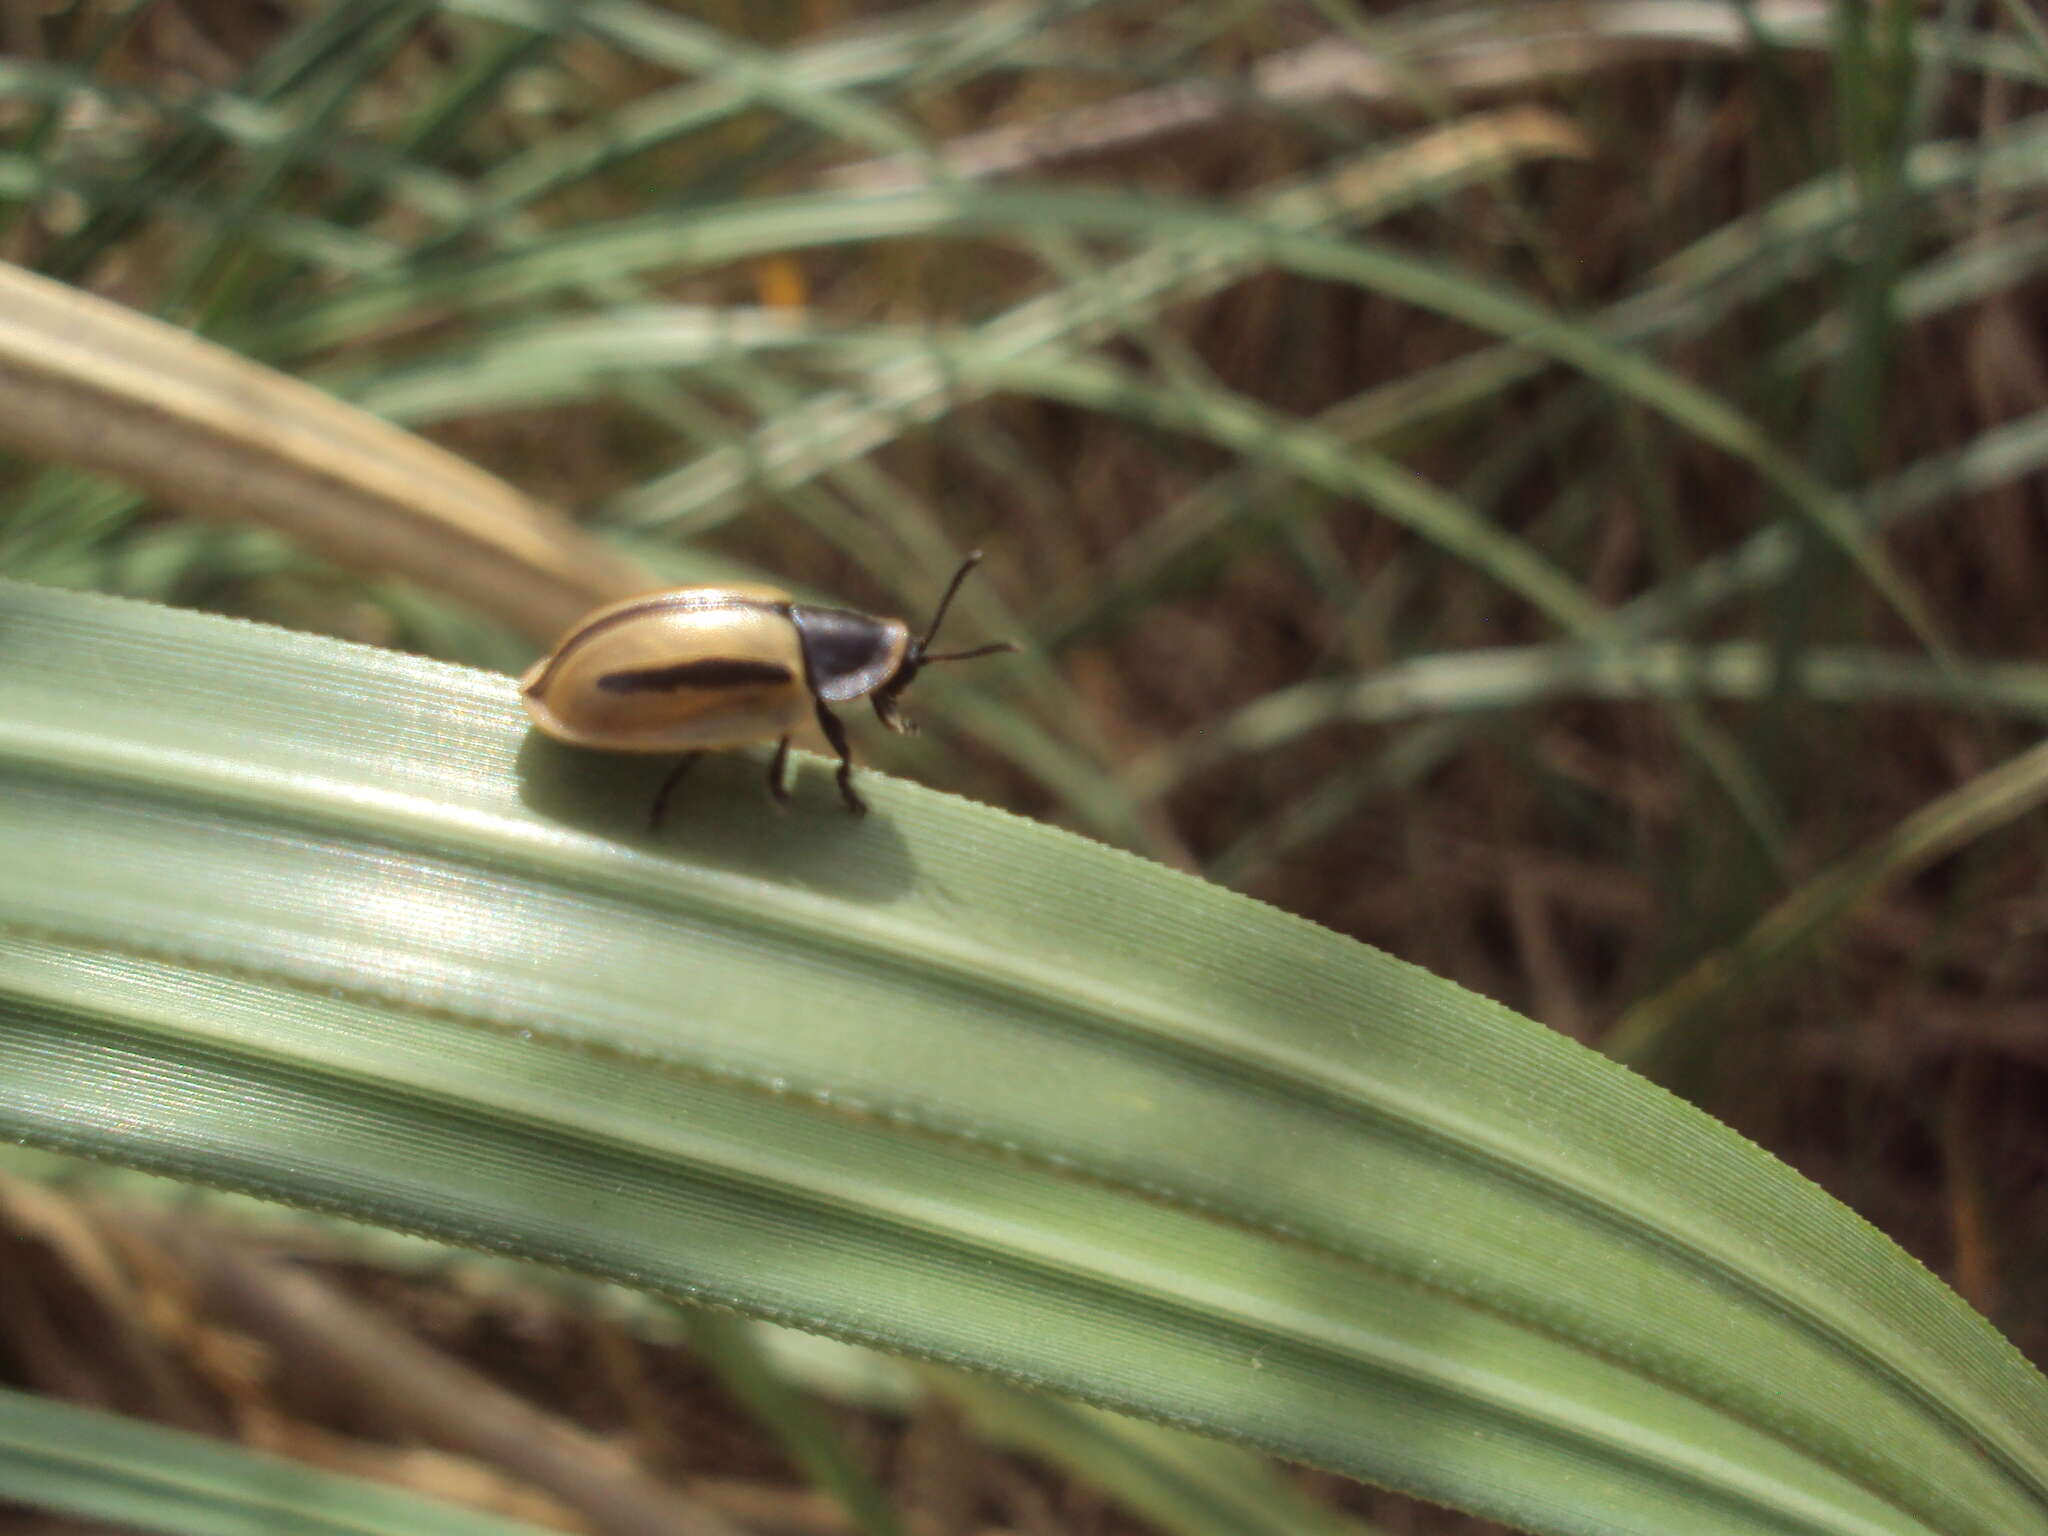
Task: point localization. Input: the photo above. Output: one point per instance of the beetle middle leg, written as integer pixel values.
(659, 809)
(836, 734)
(778, 773)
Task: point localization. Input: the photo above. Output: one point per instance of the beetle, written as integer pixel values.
(697, 669)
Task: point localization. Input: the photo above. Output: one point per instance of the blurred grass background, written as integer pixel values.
(1551, 490)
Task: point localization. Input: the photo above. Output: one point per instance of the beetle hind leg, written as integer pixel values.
(836, 734)
(778, 774)
(659, 809)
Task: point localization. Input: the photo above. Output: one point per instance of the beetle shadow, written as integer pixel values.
(721, 815)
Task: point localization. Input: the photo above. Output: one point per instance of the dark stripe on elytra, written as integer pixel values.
(711, 672)
(682, 600)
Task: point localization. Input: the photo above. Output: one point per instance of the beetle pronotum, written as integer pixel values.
(696, 669)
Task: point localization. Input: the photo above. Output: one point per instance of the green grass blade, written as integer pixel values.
(921, 47)
(1996, 456)
(2030, 27)
(807, 1436)
(838, 115)
(211, 275)
(1180, 1484)
(101, 1466)
(556, 361)
(304, 53)
(1744, 973)
(1172, 1480)
(1522, 677)
(1742, 263)
(321, 923)
(1274, 440)
(805, 222)
(1206, 247)
(1184, 1484)
(1995, 263)
(1602, 663)
(840, 426)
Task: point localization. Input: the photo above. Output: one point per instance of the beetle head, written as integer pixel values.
(919, 655)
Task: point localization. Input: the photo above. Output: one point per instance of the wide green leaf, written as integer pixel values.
(330, 925)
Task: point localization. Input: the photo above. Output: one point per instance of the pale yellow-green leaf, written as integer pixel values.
(327, 924)
(90, 383)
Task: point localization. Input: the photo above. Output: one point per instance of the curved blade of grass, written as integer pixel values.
(838, 426)
(1257, 433)
(1518, 677)
(839, 114)
(922, 48)
(206, 277)
(806, 1435)
(1635, 375)
(1196, 259)
(874, 55)
(1178, 1483)
(1996, 262)
(1995, 456)
(1746, 970)
(1740, 263)
(92, 383)
(325, 924)
(2031, 28)
(805, 222)
(1450, 52)
(1184, 1484)
(301, 57)
(101, 1466)
(555, 361)
(575, 357)
(1169, 1479)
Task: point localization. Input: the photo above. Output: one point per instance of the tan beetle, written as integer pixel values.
(696, 669)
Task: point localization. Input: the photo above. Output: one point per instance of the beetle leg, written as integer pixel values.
(668, 787)
(836, 734)
(889, 715)
(778, 773)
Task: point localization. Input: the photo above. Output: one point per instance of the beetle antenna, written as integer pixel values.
(979, 650)
(931, 630)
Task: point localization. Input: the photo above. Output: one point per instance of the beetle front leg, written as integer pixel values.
(889, 715)
(836, 734)
(778, 774)
(659, 809)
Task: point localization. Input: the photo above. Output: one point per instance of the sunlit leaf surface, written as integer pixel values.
(328, 924)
